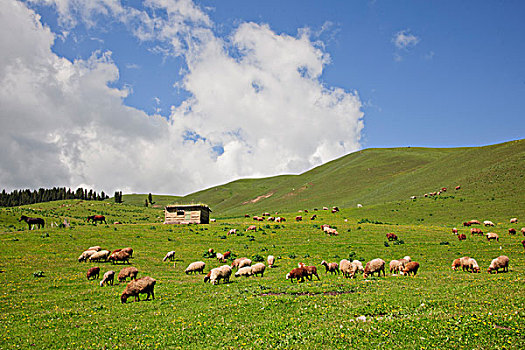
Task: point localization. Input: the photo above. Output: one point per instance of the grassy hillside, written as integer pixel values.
(373, 177)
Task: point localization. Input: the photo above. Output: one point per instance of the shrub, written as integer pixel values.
(257, 258)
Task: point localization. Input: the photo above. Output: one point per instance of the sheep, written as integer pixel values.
(93, 273)
(345, 267)
(402, 264)
(391, 236)
(233, 231)
(95, 248)
(126, 272)
(227, 254)
(128, 250)
(215, 275)
(332, 267)
(488, 223)
(236, 262)
(523, 243)
(244, 271)
(357, 266)
(258, 268)
(492, 236)
(144, 285)
(474, 222)
(462, 237)
(514, 220)
(196, 267)
(375, 265)
(245, 262)
(501, 262)
(169, 256)
(310, 271)
(523, 231)
(407, 258)
(220, 257)
(394, 266)
(270, 260)
(108, 278)
(252, 228)
(476, 231)
(456, 263)
(467, 264)
(297, 273)
(331, 232)
(455, 231)
(86, 255)
(119, 256)
(100, 255)
(512, 231)
(411, 267)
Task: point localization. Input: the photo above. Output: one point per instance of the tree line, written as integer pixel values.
(23, 197)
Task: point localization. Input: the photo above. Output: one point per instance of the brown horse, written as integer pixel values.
(39, 222)
(96, 218)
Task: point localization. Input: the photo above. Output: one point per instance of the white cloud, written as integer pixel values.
(404, 40)
(263, 112)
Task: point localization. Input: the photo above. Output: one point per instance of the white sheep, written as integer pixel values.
(488, 223)
(169, 256)
(407, 258)
(222, 272)
(86, 255)
(375, 265)
(501, 262)
(356, 266)
(258, 268)
(244, 271)
(467, 263)
(345, 266)
(197, 267)
(245, 262)
(108, 278)
(271, 261)
(101, 255)
(394, 266)
(95, 248)
(220, 257)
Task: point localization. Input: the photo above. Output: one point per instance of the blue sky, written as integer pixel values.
(373, 74)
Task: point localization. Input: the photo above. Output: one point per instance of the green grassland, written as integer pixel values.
(437, 309)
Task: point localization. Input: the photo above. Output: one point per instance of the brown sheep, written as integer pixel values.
(126, 272)
(252, 228)
(299, 218)
(492, 236)
(512, 231)
(474, 222)
(375, 265)
(297, 273)
(93, 273)
(523, 243)
(331, 267)
(501, 262)
(237, 261)
(514, 220)
(411, 267)
(391, 236)
(144, 285)
(466, 223)
(119, 256)
(476, 231)
(456, 263)
(462, 237)
(455, 231)
(523, 230)
(310, 271)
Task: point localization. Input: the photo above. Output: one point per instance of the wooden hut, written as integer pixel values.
(187, 214)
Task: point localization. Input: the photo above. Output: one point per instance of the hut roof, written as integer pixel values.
(182, 206)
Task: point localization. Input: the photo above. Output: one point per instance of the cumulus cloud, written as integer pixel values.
(257, 105)
(404, 40)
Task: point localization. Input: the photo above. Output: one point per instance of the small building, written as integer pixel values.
(187, 214)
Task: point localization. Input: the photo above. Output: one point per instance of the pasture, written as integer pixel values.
(437, 309)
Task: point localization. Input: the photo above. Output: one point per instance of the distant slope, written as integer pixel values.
(376, 176)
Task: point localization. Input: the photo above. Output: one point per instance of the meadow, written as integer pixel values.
(437, 309)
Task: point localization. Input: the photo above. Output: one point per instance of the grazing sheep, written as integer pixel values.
(144, 285)
(391, 236)
(95, 248)
(488, 223)
(411, 267)
(310, 271)
(332, 267)
(523, 231)
(357, 266)
(331, 232)
(462, 237)
(101, 255)
(227, 254)
(407, 258)
(108, 278)
(474, 222)
(270, 260)
(128, 250)
(245, 262)
(456, 263)
(523, 243)
(476, 231)
(297, 273)
(258, 269)
(220, 257)
(492, 236)
(512, 231)
(466, 223)
(394, 266)
(455, 231)
(93, 273)
(86, 255)
(376, 265)
(244, 271)
(252, 228)
(169, 256)
(233, 231)
(501, 262)
(236, 262)
(119, 256)
(469, 264)
(126, 272)
(458, 188)
(402, 264)
(514, 220)
(196, 267)
(345, 267)
(215, 275)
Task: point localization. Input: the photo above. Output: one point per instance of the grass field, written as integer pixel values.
(437, 309)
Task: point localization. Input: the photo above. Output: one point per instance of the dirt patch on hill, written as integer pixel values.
(264, 196)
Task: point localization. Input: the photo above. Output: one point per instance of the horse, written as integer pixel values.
(39, 222)
(96, 218)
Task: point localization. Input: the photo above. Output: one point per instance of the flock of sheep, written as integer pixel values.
(145, 285)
